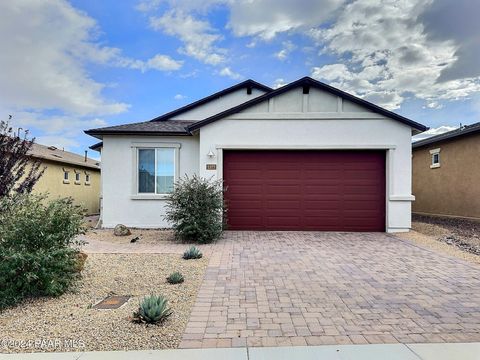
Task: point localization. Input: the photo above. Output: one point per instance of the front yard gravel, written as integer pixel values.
(70, 319)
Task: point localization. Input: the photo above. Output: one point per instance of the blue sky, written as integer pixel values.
(70, 66)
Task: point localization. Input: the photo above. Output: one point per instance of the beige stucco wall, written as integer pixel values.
(454, 187)
(83, 194)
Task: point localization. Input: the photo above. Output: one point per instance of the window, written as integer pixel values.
(77, 178)
(87, 178)
(66, 175)
(435, 153)
(156, 170)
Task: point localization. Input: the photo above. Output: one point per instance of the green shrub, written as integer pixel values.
(192, 253)
(175, 278)
(195, 209)
(38, 251)
(153, 309)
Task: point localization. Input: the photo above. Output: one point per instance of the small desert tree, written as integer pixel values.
(18, 170)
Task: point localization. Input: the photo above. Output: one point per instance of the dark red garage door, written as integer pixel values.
(305, 190)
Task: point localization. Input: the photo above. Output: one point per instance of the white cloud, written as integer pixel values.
(179, 97)
(158, 62)
(288, 47)
(434, 131)
(279, 83)
(45, 45)
(267, 18)
(58, 130)
(226, 71)
(198, 37)
(385, 55)
(44, 59)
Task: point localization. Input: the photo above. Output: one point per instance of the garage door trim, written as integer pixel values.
(354, 150)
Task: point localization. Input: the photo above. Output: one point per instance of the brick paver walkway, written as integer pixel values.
(291, 288)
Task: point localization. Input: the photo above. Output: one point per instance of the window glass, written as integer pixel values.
(87, 178)
(146, 170)
(77, 177)
(165, 170)
(435, 159)
(65, 175)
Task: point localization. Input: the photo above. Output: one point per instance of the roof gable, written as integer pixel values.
(305, 84)
(249, 85)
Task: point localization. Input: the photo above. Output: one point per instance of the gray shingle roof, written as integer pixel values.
(51, 153)
(464, 130)
(163, 127)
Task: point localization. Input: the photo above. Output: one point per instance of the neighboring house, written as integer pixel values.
(446, 173)
(68, 174)
(305, 156)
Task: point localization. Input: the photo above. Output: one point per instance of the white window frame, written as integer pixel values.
(87, 178)
(433, 152)
(67, 180)
(79, 181)
(153, 145)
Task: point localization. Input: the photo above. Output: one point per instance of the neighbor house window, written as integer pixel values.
(77, 178)
(87, 178)
(435, 153)
(66, 175)
(156, 170)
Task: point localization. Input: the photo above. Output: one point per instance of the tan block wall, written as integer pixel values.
(85, 195)
(454, 187)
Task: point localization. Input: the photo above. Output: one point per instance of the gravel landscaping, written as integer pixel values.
(456, 237)
(462, 233)
(71, 317)
(142, 236)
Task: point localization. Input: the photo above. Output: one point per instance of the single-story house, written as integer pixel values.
(305, 156)
(446, 170)
(68, 175)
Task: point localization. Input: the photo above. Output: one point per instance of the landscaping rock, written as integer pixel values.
(121, 230)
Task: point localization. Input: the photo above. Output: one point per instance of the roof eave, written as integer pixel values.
(445, 136)
(66, 162)
(97, 146)
(99, 134)
(311, 82)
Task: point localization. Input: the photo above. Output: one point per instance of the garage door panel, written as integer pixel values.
(320, 204)
(321, 189)
(282, 222)
(246, 204)
(245, 189)
(247, 173)
(322, 174)
(305, 190)
(272, 189)
(283, 204)
(324, 223)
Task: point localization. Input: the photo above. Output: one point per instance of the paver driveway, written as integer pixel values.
(292, 288)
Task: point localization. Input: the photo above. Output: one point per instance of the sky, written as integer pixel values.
(67, 66)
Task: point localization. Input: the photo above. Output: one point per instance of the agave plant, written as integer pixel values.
(175, 278)
(192, 253)
(152, 310)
